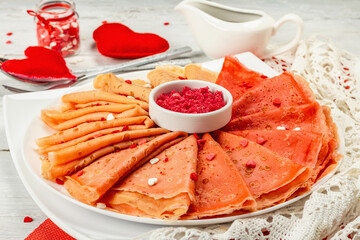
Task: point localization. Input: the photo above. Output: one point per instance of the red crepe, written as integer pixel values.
(270, 177)
(237, 78)
(41, 64)
(220, 188)
(118, 41)
(300, 146)
(309, 117)
(272, 93)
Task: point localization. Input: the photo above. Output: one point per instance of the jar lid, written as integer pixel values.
(55, 10)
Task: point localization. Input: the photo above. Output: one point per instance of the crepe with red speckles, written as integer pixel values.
(237, 78)
(273, 178)
(272, 93)
(220, 188)
(170, 196)
(93, 181)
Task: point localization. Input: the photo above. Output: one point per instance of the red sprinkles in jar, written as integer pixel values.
(57, 26)
(200, 100)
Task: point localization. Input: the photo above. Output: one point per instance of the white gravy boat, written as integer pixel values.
(221, 30)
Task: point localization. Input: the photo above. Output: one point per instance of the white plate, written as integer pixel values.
(51, 197)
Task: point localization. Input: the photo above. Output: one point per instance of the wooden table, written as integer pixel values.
(333, 19)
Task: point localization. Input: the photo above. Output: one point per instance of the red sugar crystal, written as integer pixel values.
(210, 156)
(251, 164)
(142, 141)
(261, 140)
(59, 181)
(277, 102)
(194, 176)
(134, 145)
(244, 142)
(27, 219)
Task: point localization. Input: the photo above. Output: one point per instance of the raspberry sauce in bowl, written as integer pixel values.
(199, 100)
(192, 106)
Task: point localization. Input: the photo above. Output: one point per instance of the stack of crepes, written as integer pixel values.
(279, 142)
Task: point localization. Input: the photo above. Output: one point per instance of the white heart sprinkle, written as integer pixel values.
(154, 160)
(152, 181)
(110, 117)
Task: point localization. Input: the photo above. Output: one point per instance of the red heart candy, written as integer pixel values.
(118, 41)
(41, 64)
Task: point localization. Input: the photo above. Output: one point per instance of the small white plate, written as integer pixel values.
(84, 220)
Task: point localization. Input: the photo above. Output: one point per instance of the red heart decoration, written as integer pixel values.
(41, 64)
(118, 41)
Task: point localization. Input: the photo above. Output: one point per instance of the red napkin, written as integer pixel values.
(49, 231)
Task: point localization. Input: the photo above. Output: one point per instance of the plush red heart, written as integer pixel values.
(41, 64)
(118, 41)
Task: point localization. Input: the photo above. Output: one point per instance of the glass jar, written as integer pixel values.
(57, 26)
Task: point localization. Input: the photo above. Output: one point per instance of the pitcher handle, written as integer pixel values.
(291, 44)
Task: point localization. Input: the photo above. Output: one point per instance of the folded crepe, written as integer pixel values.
(308, 117)
(237, 78)
(332, 157)
(270, 177)
(92, 182)
(305, 118)
(284, 90)
(170, 196)
(301, 147)
(220, 188)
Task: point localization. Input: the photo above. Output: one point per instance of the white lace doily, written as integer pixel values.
(332, 211)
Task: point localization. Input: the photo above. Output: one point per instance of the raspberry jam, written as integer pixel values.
(188, 100)
(57, 26)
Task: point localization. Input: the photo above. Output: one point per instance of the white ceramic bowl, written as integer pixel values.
(189, 122)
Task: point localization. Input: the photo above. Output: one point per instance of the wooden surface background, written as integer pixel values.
(337, 20)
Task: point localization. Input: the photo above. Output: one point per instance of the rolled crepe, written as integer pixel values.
(86, 128)
(51, 172)
(95, 95)
(83, 149)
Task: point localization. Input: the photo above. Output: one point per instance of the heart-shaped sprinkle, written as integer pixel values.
(118, 41)
(41, 64)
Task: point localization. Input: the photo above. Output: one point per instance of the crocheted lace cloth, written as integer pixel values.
(333, 210)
